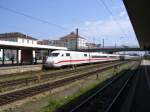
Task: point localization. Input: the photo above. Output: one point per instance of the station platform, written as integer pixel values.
(19, 69)
(9, 63)
(138, 97)
(142, 92)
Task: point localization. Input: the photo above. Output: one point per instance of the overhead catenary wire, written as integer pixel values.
(113, 18)
(21, 28)
(35, 18)
(32, 17)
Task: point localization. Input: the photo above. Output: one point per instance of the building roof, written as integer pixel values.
(16, 34)
(72, 35)
(138, 11)
(16, 45)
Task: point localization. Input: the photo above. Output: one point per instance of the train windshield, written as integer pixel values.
(54, 54)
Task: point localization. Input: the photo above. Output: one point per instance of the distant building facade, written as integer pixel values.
(70, 41)
(18, 37)
(59, 43)
(43, 42)
(93, 45)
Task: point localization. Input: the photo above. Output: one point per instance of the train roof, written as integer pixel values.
(93, 53)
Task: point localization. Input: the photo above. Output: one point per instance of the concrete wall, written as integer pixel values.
(1, 53)
(26, 56)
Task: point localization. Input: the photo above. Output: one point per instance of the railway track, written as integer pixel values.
(31, 91)
(134, 96)
(112, 106)
(102, 99)
(34, 72)
(35, 79)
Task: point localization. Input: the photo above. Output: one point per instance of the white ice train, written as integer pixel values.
(63, 58)
(132, 57)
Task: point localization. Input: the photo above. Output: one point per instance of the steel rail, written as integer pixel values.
(21, 94)
(99, 91)
(45, 76)
(121, 91)
(18, 74)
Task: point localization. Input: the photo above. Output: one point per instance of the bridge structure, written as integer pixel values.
(111, 50)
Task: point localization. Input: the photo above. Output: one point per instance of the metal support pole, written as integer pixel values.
(17, 58)
(76, 39)
(103, 43)
(33, 57)
(97, 76)
(49, 52)
(3, 56)
(115, 69)
(43, 60)
(26, 82)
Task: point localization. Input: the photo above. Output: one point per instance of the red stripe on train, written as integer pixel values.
(63, 61)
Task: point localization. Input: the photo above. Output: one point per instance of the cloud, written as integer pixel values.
(104, 28)
(122, 14)
(114, 30)
(110, 29)
(87, 23)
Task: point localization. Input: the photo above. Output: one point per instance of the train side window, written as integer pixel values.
(54, 54)
(99, 56)
(67, 54)
(85, 55)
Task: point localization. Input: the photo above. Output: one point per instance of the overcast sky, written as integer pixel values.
(94, 19)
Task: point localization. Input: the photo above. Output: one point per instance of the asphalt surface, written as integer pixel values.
(137, 98)
(141, 100)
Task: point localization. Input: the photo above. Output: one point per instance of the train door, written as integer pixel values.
(68, 56)
(89, 57)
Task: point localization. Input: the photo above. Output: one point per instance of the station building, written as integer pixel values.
(70, 41)
(18, 37)
(25, 47)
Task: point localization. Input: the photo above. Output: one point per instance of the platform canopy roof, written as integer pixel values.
(139, 14)
(16, 45)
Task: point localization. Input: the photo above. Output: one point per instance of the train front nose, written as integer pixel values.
(49, 63)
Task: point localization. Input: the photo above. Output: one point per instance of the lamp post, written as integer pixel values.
(103, 42)
(76, 39)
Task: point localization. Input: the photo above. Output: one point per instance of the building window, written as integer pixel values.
(67, 54)
(27, 41)
(22, 40)
(85, 55)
